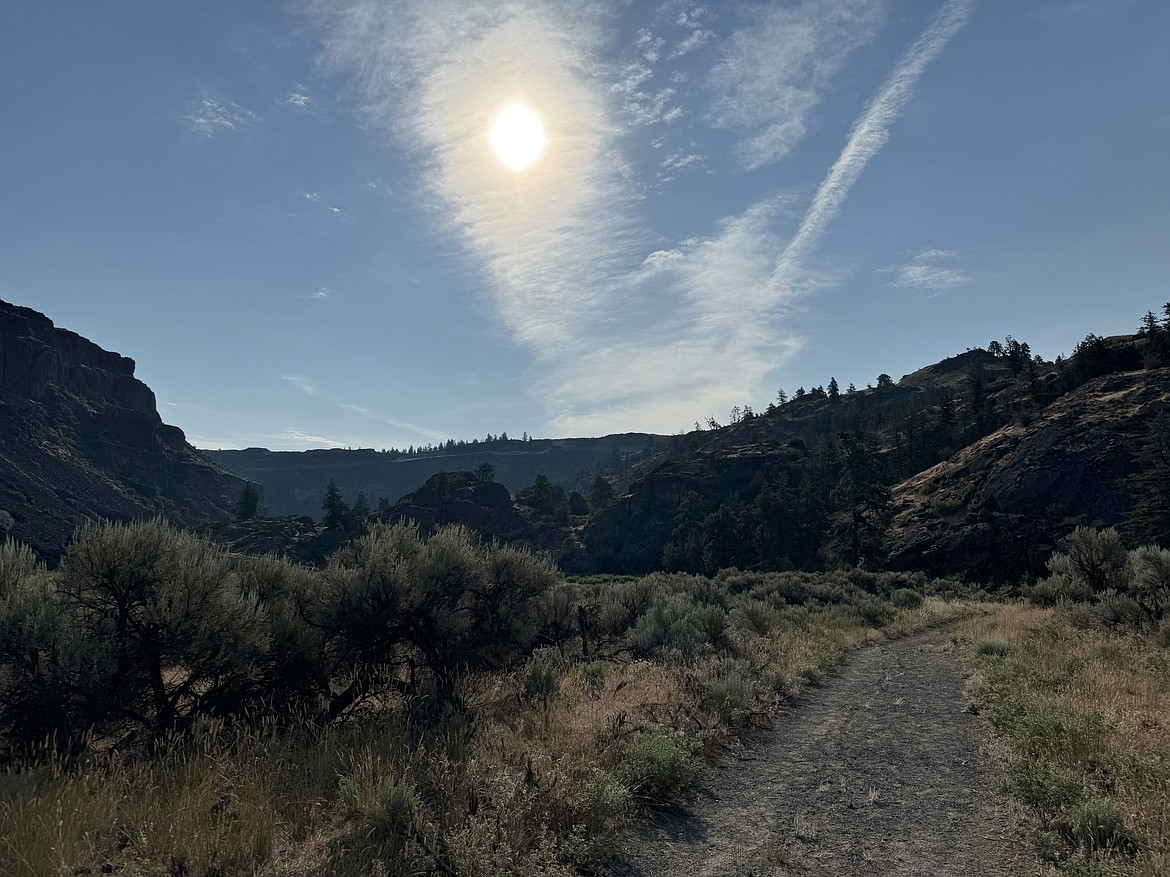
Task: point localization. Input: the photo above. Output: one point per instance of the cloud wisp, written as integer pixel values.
(435, 73)
(928, 270)
(624, 328)
(432, 434)
(214, 117)
(302, 383)
(774, 72)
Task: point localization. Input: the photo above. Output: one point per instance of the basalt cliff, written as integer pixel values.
(81, 438)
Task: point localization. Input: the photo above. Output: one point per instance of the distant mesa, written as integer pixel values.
(294, 481)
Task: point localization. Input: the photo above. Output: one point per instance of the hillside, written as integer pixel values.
(999, 506)
(977, 465)
(80, 437)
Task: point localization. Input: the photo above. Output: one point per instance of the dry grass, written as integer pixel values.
(559, 756)
(1086, 714)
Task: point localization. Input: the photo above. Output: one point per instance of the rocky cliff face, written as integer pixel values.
(997, 508)
(80, 437)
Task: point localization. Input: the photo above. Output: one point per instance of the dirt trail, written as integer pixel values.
(878, 772)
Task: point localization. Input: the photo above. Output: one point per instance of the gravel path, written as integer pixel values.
(878, 772)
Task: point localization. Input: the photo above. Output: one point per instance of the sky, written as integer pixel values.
(291, 215)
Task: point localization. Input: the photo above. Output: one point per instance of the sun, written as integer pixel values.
(517, 136)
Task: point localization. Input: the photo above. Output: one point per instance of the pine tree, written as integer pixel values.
(334, 507)
(862, 503)
(1148, 519)
(247, 507)
(834, 390)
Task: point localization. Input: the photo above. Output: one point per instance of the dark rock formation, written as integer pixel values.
(538, 523)
(997, 508)
(459, 498)
(80, 437)
(577, 504)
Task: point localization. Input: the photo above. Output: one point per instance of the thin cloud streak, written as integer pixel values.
(370, 414)
(870, 133)
(302, 383)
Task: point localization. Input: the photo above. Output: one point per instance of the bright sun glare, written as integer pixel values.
(517, 136)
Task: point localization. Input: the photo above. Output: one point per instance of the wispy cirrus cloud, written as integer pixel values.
(930, 270)
(675, 163)
(435, 73)
(299, 439)
(694, 41)
(624, 328)
(641, 103)
(213, 117)
(773, 72)
(302, 383)
(432, 434)
(319, 294)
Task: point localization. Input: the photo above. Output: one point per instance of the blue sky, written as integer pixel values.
(290, 217)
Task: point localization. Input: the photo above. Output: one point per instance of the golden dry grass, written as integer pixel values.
(531, 785)
(1090, 708)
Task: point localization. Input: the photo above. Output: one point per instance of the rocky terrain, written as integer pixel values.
(998, 507)
(987, 488)
(992, 509)
(80, 437)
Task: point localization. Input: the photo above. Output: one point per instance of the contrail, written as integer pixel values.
(870, 133)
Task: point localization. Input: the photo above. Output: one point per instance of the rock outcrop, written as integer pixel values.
(540, 523)
(997, 508)
(80, 437)
(459, 498)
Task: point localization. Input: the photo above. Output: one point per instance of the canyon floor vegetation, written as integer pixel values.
(418, 706)
(1076, 683)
